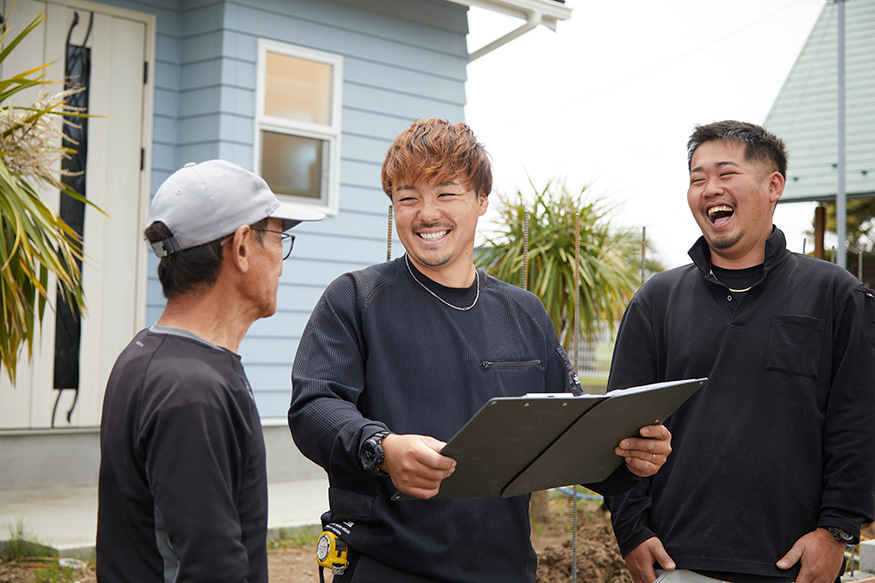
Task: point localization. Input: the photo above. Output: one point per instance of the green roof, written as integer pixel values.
(805, 113)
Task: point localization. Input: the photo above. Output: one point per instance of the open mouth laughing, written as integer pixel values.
(719, 215)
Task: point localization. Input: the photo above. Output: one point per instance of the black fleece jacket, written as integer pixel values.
(779, 440)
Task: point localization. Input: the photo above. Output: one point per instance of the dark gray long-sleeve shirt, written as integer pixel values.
(183, 484)
(381, 352)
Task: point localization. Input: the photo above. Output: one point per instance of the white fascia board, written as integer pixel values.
(550, 11)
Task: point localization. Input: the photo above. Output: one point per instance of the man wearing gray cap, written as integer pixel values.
(183, 486)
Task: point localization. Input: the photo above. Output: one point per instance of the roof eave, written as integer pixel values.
(534, 12)
(551, 10)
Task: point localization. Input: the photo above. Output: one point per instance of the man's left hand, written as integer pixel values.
(820, 555)
(646, 454)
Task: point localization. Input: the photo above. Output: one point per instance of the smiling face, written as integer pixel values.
(436, 221)
(733, 201)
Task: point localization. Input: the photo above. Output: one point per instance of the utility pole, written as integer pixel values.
(841, 192)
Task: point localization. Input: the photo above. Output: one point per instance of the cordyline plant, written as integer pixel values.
(34, 241)
(607, 273)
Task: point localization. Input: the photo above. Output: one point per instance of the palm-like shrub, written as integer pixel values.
(34, 242)
(608, 272)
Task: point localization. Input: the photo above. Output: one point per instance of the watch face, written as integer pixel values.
(372, 454)
(841, 535)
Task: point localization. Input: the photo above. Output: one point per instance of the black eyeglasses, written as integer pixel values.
(287, 240)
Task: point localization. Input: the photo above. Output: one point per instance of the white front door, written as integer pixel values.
(121, 42)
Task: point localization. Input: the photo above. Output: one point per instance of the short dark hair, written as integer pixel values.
(193, 270)
(435, 148)
(759, 144)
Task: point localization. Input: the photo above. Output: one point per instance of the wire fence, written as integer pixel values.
(594, 355)
(862, 264)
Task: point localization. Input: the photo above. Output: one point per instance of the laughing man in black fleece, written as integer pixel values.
(772, 474)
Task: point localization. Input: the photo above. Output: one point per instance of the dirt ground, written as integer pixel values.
(289, 562)
(598, 560)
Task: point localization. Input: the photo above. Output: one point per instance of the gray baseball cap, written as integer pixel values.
(204, 202)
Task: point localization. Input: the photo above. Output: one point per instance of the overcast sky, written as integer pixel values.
(609, 100)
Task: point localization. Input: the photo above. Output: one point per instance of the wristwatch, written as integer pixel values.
(372, 455)
(841, 535)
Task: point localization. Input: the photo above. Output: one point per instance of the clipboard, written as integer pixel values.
(517, 445)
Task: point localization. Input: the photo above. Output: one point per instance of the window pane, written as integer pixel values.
(297, 89)
(292, 164)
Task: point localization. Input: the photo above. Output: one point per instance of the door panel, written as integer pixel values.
(114, 264)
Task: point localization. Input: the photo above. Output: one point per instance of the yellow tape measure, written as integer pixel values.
(331, 552)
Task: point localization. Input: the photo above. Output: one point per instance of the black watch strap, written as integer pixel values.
(371, 454)
(841, 535)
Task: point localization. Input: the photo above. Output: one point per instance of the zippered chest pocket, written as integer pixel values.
(512, 378)
(509, 364)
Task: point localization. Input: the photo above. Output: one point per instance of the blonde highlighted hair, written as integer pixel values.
(435, 148)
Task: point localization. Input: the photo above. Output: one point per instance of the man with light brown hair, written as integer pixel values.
(398, 357)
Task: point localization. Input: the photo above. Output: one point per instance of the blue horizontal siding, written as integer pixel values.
(240, 154)
(166, 48)
(365, 148)
(272, 377)
(202, 74)
(361, 174)
(293, 295)
(377, 125)
(362, 72)
(321, 271)
(269, 351)
(349, 23)
(198, 20)
(281, 327)
(163, 157)
(273, 404)
(403, 59)
(164, 126)
(166, 75)
(313, 238)
(365, 200)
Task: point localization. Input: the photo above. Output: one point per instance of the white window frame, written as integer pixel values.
(329, 133)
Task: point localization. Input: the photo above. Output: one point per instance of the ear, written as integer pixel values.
(239, 250)
(776, 187)
(484, 203)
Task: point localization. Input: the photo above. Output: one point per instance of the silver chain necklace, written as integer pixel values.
(476, 279)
